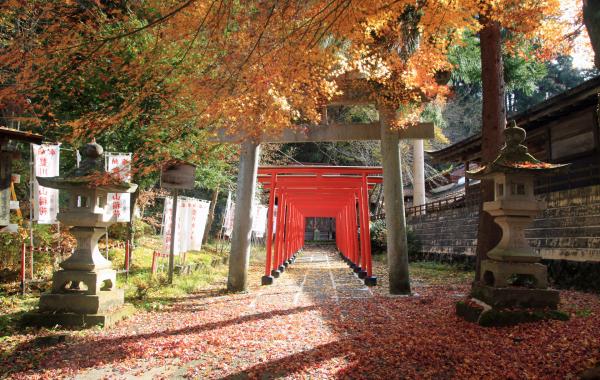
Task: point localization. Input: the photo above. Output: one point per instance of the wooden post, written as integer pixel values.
(23, 249)
(154, 263)
(127, 258)
(211, 215)
(173, 232)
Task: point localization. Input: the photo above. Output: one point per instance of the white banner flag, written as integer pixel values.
(202, 218)
(190, 223)
(4, 207)
(229, 215)
(46, 163)
(118, 205)
(259, 220)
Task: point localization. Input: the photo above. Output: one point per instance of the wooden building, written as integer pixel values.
(562, 129)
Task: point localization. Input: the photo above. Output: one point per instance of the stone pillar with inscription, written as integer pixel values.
(419, 196)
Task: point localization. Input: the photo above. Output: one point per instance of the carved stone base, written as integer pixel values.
(501, 274)
(516, 297)
(67, 319)
(84, 282)
(476, 311)
(80, 303)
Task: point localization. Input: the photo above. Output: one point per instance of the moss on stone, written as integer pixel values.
(495, 317)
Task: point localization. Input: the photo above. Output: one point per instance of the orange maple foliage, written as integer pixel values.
(250, 67)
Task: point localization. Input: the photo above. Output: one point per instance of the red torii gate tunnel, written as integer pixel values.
(339, 192)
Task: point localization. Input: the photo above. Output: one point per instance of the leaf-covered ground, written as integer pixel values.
(319, 321)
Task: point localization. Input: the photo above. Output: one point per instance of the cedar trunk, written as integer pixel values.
(211, 215)
(493, 124)
(591, 18)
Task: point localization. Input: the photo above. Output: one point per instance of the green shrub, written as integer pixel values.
(119, 231)
(378, 236)
(10, 248)
(379, 239)
(144, 284)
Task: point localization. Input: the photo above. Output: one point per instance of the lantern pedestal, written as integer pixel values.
(84, 293)
(515, 297)
(501, 274)
(87, 256)
(69, 301)
(77, 320)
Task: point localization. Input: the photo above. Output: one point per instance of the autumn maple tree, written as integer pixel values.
(196, 65)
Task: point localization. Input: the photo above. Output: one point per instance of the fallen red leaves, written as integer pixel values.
(333, 328)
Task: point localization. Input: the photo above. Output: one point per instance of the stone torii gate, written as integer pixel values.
(383, 130)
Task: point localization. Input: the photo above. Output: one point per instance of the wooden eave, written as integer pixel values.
(532, 120)
(25, 136)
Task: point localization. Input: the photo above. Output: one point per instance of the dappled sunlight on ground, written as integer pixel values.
(318, 320)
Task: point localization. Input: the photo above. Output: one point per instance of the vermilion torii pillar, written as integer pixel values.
(319, 191)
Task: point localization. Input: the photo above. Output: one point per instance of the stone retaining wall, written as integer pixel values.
(447, 233)
(569, 229)
(566, 234)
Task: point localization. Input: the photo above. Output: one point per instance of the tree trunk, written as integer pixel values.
(377, 209)
(591, 18)
(211, 215)
(493, 124)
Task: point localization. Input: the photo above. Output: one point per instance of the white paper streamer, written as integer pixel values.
(118, 205)
(46, 163)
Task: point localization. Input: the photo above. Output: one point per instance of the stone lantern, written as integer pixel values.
(513, 276)
(84, 291)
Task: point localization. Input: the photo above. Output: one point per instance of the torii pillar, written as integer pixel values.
(242, 227)
(391, 160)
(419, 198)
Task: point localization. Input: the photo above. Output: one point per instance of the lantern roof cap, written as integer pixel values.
(90, 174)
(514, 158)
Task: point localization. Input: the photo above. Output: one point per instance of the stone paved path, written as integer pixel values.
(285, 315)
